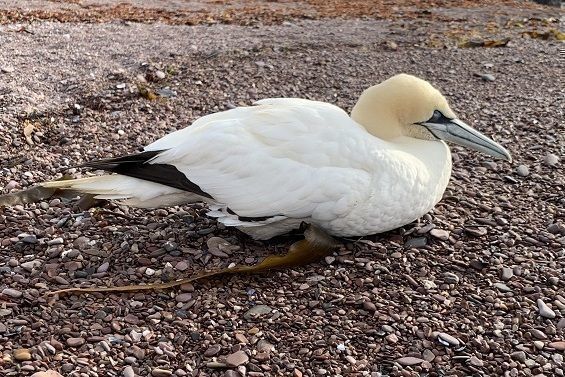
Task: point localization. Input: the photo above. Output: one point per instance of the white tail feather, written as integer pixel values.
(131, 191)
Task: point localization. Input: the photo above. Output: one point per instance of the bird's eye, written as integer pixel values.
(438, 117)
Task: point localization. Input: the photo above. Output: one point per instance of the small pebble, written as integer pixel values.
(257, 311)
(502, 287)
(75, 342)
(183, 297)
(506, 273)
(47, 373)
(219, 247)
(538, 344)
(212, 351)
(10, 292)
(556, 228)
(544, 310)
(530, 363)
(487, 76)
(128, 372)
(538, 334)
(392, 45)
(11, 185)
(166, 92)
(440, 233)
(22, 354)
(522, 170)
(446, 338)
(31, 239)
(559, 346)
(158, 372)
(450, 278)
(490, 164)
(518, 355)
(31, 265)
(170, 246)
(428, 355)
(241, 338)
(475, 361)
(416, 242)
(409, 361)
(550, 159)
(237, 358)
(7, 69)
(477, 264)
(369, 306)
(103, 267)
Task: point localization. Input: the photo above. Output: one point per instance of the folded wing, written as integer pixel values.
(285, 157)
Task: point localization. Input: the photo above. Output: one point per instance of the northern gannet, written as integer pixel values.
(265, 169)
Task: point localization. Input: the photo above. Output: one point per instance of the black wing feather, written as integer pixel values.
(138, 166)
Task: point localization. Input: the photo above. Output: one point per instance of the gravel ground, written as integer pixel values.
(474, 288)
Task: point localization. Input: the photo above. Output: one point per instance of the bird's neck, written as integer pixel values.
(376, 115)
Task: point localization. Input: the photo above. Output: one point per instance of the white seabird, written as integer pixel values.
(265, 169)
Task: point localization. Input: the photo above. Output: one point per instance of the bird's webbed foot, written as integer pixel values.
(315, 245)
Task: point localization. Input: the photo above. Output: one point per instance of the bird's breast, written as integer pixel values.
(408, 182)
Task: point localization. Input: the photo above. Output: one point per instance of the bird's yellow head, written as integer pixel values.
(405, 105)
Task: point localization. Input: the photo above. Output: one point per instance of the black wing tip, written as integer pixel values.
(250, 219)
(139, 166)
(114, 162)
(97, 165)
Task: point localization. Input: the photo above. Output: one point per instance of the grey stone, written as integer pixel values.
(544, 310)
(519, 356)
(158, 372)
(75, 342)
(257, 311)
(487, 76)
(31, 239)
(502, 287)
(475, 361)
(446, 338)
(440, 234)
(450, 278)
(128, 372)
(10, 292)
(538, 334)
(550, 159)
(506, 273)
(522, 170)
(416, 242)
(31, 265)
(237, 358)
(212, 350)
(409, 360)
(369, 306)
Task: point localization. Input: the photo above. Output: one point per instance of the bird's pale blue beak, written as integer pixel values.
(457, 132)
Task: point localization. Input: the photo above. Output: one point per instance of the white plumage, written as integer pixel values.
(271, 166)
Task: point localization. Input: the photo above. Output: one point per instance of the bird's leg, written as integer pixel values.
(315, 245)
